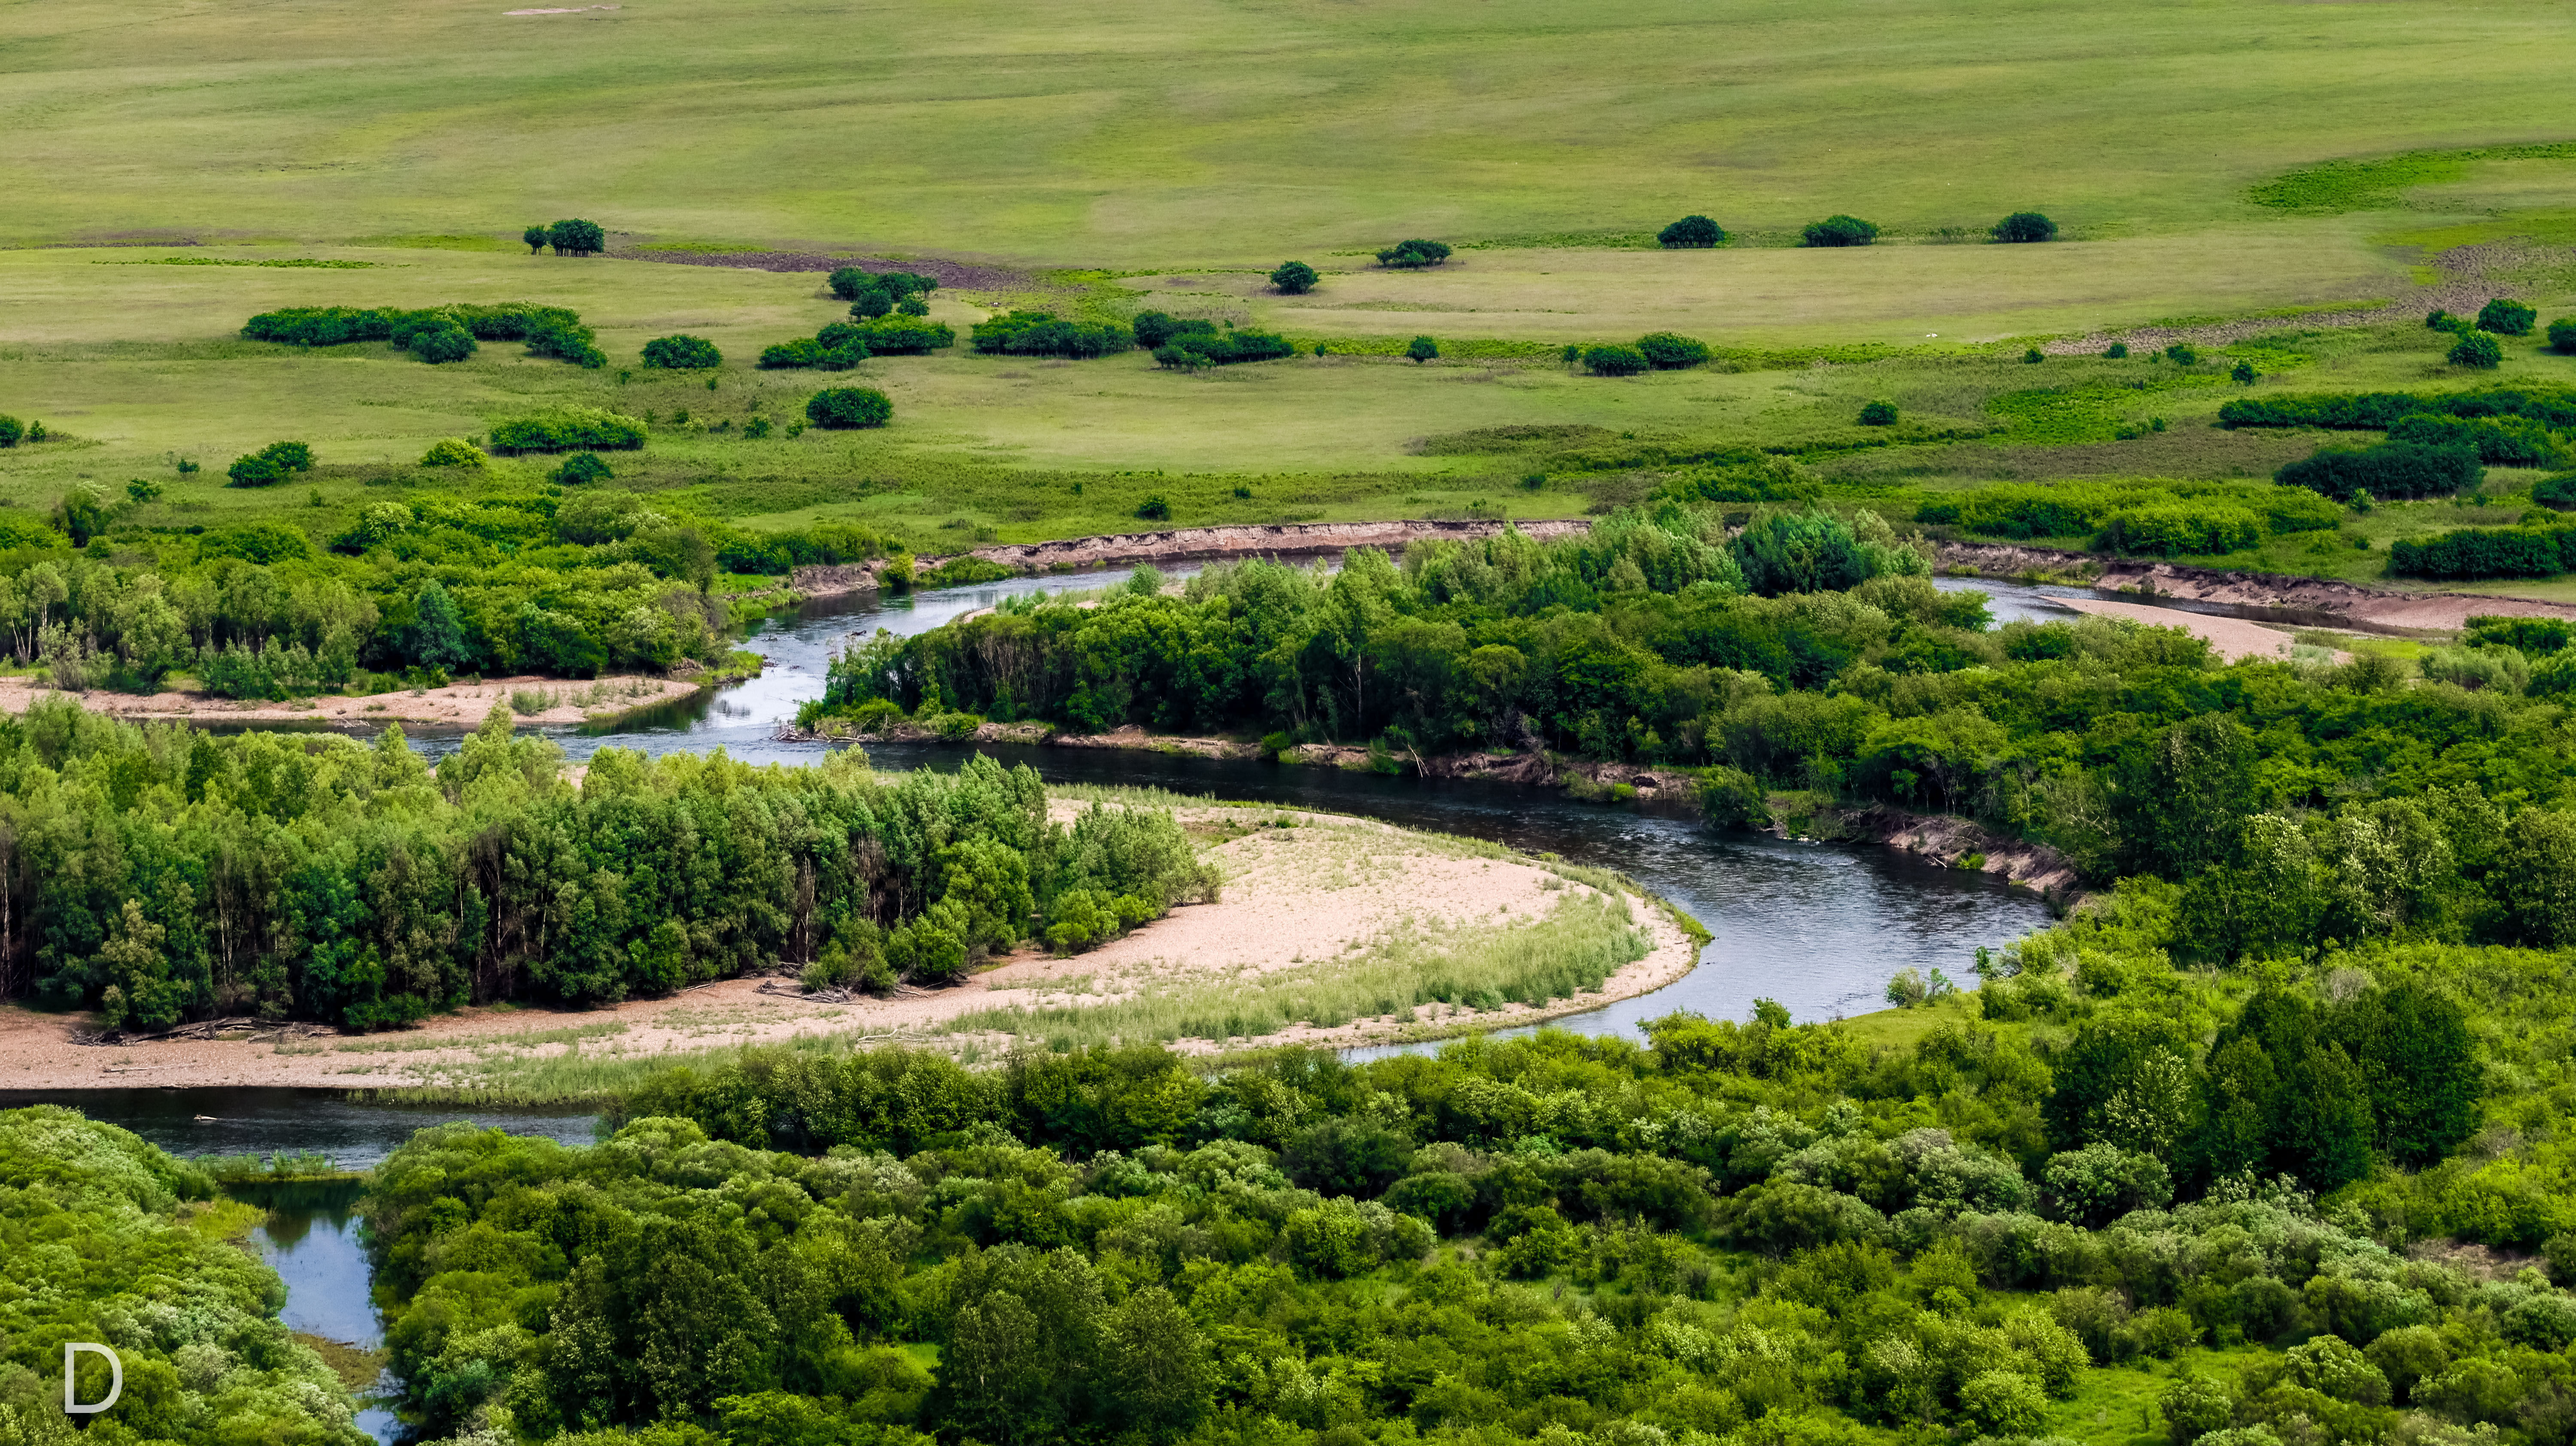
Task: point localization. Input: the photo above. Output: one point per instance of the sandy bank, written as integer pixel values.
(458, 705)
(1309, 897)
(2305, 601)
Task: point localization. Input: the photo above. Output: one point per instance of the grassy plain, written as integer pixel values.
(1145, 131)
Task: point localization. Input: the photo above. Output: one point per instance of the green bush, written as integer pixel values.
(576, 238)
(2243, 374)
(2474, 553)
(536, 238)
(1616, 361)
(2498, 441)
(453, 452)
(442, 344)
(2562, 334)
(565, 429)
(1423, 349)
(1155, 509)
(1691, 232)
(2478, 350)
(682, 353)
(1798, 552)
(1294, 278)
(1153, 328)
(1041, 333)
(2390, 471)
(581, 468)
(2023, 227)
(2117, 351)
(900, 336)
(1196, 344)
(1406, 255)
(270, 464)
(2033, 357)
(12, 431)
(2506, 317)
(847, 282)
(1670, 351)
(2378, 411)
(1878, 414)
(2182, 354)
(1840, 231)
(845, 407)
(2557, 492)
(837, 350)
(2165, 529)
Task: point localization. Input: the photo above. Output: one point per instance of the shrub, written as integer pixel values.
(1155, 509)
(536, 238)
(580, 468)
(442, 344)
(1294, 278)
(2439, 320)
(2395, 469)
(2476, 349)
(2117, 351)
(2562, 334)
(576, 238)
(1405, 255)
(2498, 441)
(1840, 231)
(845, 407)
(912, 306)
(565, 429)
(2483, 552)
(1615, 361)
(453, 452)
(143, 489)
(843, 351)
(12, 431)
(2024, 226)
(1878, 414)
(1041, 333)
(2243, 374)
(272, 463)
(1196, 344)
(897, 336)
(682, 353)
(847, 282)
(566, 341)
(2033, 357)
(1153, 328)
(2506, 317)
(1691, 232)
(2190, 526)
(1793, 552)
(1423, 349)
(2557, 493)
(1670, 351)
(2378, 411)
(2182, 354)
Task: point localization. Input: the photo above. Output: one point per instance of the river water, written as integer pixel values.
(1817, 927)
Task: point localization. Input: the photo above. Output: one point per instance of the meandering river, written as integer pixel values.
(1817, 927)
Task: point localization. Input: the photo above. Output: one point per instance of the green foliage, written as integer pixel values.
(2373, 411)
(2243, 374)
(2196, 526)
(576, 238)
(2497, 441)
(2075, 509)
(846, 407)
(564, 429)
(2476, 350)
(1878, 414)
(1839, 230)
(1691, 232)
(1668, 351)
(2562, 335)
(2024, 226)
(2485, 552)
(435, 334)
(2506, 317)
(1422, 349)
(271, 464)
(1154, 509)
(1616, 361)
(1290, 278)
(453, 452)
(1041, 333)
(12, 431)
(578, 469)
(438, 345)
(1409, 255)
(682, 352)
(536, 238)
(1191, 345)
(2392, 470)
(2117, 351)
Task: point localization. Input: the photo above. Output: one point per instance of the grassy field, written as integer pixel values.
(1145, 131)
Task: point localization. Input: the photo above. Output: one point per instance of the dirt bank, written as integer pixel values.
(459, 705)
(1315, 895)
(2294, 600)
(1282, 539)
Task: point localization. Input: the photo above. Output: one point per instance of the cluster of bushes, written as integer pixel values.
(872, 294)
(1839, 231)
(2501, 315)
(566, 429)
(1691, 233)
(2162, 519)
(847, 407)
(1412, 255)
(2023, 227)
(573, 237)
(1043, 333)
(844, 344)
(2497, 441)
(1656, 351)
(438, 333)
(1194, 343)
(682, 353)
(271, 464)
(111, 1240)
(2479, 552)
(2379, 411)
(2399, 470)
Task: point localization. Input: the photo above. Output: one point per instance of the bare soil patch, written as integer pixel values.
(458, 705)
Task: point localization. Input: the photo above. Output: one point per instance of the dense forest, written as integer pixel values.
(161, 873)
(2105, 1200)
(105, 1239)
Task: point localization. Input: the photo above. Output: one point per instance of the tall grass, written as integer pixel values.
(1573, 950)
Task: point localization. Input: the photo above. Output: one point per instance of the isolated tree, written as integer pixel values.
(576, 238)
(1840, 231)
(682, 353)
(2506, 317)
(1404, 255)
(2479, 350)
(2033, 357)
(1294, 278)
(1878, 414)
(12, 431)
(1423, 349)
(2244, 372)
(436, 637)
(1691, 232)
(536, 237)
(2023, 227)
(845, 407)
(1670, 351)
(2117, 351)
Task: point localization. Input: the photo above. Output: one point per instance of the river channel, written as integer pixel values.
(1817, 927)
